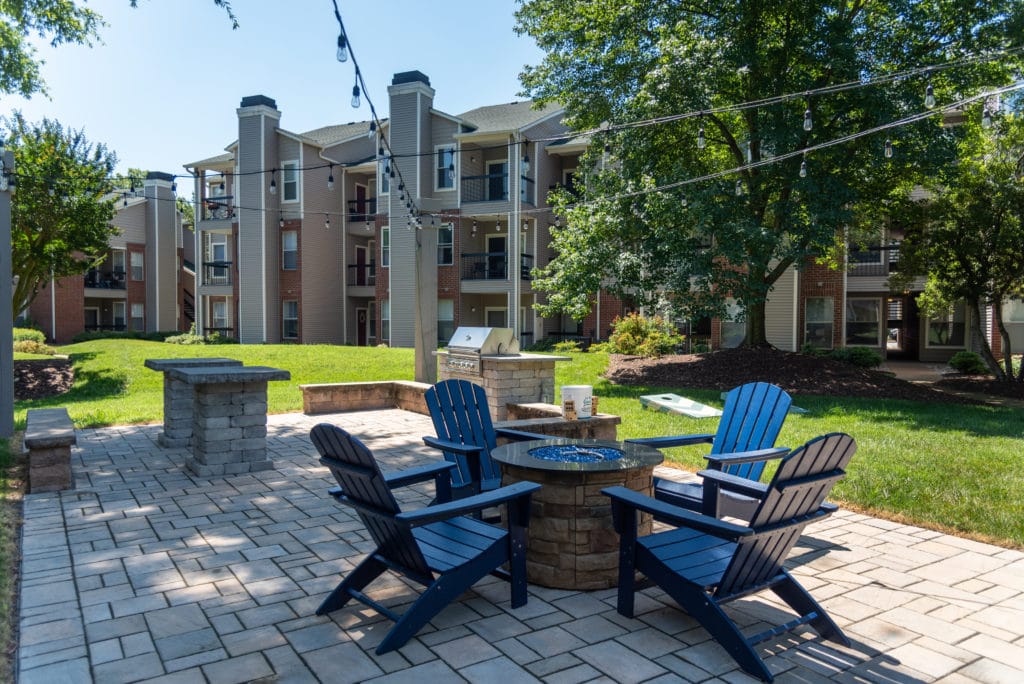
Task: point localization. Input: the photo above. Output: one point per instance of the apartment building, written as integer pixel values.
(144, 281)
(306, 236)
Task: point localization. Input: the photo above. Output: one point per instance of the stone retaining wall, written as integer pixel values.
(364, 396)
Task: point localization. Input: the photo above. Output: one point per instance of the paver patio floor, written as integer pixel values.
(146, 573)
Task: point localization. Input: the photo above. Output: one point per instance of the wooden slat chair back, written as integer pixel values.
(363, 485)
(751, 420)
(459, 411)
(704, 562)
(441, 547)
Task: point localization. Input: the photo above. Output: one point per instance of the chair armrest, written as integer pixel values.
(519, 435)
(717, 461)
(675, 515)
(454, 447)
(674, 441)
(471, 504)
(735, 483)
(404, 478)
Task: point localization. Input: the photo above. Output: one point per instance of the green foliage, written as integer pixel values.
(968, 363)
(863, 357)
(186, 338)
(61, 212)
(217, 337)
(544, 344)
(33, 347)
(32, 334)
(640, 336)
(566, 346)
(628, 230)
(811, 350)
(158, 336)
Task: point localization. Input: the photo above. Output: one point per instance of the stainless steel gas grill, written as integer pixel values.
(468, 344)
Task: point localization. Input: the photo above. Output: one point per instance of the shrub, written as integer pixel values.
(217, 337)
(640, 336)
(545, 344)
(158, 336)
(863, 357)
(567, 346)
(968, 363)
(29, 334)
(187, 338)
(811, 350)
(33, 347)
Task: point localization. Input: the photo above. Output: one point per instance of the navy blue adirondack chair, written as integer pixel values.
(466, 434)
(705, 562)
(745, 441)
(439, 547)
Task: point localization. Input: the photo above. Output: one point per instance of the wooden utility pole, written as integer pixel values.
(6, 293)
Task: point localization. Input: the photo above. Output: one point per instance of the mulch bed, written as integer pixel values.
(984, 384)
(42, 378)
(793, 372)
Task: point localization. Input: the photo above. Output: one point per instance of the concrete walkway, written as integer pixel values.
(146, 573)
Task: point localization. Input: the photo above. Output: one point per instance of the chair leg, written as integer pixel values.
(797, 598)
(721, 627)
(445, 589)
(364, 573)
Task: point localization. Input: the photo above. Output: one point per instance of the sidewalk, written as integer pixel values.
(145, 573)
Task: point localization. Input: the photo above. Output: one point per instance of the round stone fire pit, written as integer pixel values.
(572, 543)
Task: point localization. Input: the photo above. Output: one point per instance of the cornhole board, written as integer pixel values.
(792, 409)
(673, 403)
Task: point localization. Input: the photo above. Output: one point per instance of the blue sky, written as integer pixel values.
(162, 88)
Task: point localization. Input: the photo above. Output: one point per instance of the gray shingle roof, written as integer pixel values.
(507, 117)
(212, 161)
(329, 135)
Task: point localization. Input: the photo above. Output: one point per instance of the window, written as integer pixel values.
(948, 330)
(818, 321)
(217, 253)
(444, 175)
(385, 247)
(445, 320)
(371, 325)
(1013, 311)
(138, 316)
(117, 263)
(497, 181)
(385, 321)
(384, 182)
(290, 320)
(119, 315)
(445, 245)
(289, 250)
(734, 324)
(290, 181)
(138, 273)
(863, 325)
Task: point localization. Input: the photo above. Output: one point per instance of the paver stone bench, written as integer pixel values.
(49, 434)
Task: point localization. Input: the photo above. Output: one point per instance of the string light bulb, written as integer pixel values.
(888, 148)
(472, 230)
(451, 170)
(368, 228)
(174, 186)
(701, 139)
(739, 188)
(342, 53)
(803, 168)
(373, 129)
(808, 122)
(526, 162)
(273, 181)
(683, 201)
(497, 225)
(355, 96)
(280, 222)
(220, 186)
(327, 221)
(330, 178)
(986, 118)
(929, 96)
(526, 225)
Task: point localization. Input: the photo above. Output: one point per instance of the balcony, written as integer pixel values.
(493, 187)
(215, 208)
(362, 210)
(362, 275)
(878, 260)
(105, 280)
(492, 266)
(217, 273)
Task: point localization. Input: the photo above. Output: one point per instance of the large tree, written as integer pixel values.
(970, 241)
(56, 21)
(694, 243)
(62, 205)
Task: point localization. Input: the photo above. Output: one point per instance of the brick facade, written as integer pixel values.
(291, 279)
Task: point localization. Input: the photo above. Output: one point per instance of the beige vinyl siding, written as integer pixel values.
(780, 312)
(131, 224)
(161, 259)
(321, 258)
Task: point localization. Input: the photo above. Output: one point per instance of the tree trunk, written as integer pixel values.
(981, 342)
(756, 333)
(1004, 336)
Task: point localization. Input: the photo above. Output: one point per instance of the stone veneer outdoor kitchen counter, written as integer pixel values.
(229, 421)
(178, 402)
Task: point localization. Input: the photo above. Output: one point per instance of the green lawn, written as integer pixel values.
(948, 466)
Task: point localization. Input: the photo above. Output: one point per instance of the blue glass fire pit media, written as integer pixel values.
(567, 453)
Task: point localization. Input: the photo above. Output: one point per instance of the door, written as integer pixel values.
(496, 257)
(496, 318)
(361, 326)
(92, 318)
(360, 203)
(901, 325)
(497, 181)
(361, 263)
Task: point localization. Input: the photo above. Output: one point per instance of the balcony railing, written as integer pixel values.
(217, 273)
(105, 280)
(362, 210)
(218, 208)
(361, 275)
(493, 187)
(878, 260)
(493, 266)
